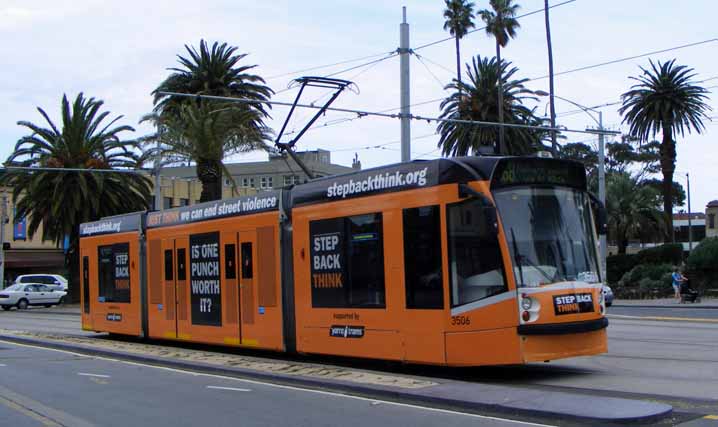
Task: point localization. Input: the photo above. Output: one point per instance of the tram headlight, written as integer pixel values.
(526, 303)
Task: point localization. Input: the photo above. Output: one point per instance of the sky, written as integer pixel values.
(119, 51)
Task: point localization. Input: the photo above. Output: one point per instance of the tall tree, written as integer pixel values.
(211, 71)
(501, 23)
(554, 144)
(459, 15)
(63, 199)
(479, 103)
(632, 209)
(666, 99)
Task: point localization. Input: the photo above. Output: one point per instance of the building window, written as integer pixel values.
(166, 202)
(711, 220)
(291, 179)
(265, 182)
(422, 258)
(183, 202)
(248, 182)
(347, 262)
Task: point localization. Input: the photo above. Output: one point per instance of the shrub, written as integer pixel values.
(618, 265)
(702, 264)
(671, 253)
(646, 281)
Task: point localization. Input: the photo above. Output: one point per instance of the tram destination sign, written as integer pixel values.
(537, 171)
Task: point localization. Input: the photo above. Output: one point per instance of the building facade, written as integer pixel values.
(712, 219)
(281, 170)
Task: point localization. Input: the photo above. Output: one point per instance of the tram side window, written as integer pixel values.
(114, 272)
(475, 263)
(181, 264)
(347, 262)
(168, 264)
(230, 267)
(422, 258)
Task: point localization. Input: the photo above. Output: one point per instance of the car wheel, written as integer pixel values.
(608, 304)
(22, 304)
(61, 301)
(48, 305)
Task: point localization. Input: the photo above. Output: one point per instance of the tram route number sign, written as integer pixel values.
(346, 331)
(205, 290)
(573, 303)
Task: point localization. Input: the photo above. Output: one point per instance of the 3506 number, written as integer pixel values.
(460, 320)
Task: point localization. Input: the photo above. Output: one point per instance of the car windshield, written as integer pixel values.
(14, 288)
(549, 232)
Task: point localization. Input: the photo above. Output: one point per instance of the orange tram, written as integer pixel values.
(462, 262)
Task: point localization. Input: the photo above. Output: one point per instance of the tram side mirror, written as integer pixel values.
(601, 215)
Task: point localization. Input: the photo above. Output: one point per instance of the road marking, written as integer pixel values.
(711, 417)
(287, 387)
(2, 365)
(227, 388)
(34, 415)
(83, 374)
(680, 319)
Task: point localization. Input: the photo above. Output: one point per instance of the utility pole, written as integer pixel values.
(3, 216)
(405, 114)
(602, 185)
(158, 180)
(690, 226)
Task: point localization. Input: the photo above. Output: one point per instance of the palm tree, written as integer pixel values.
(206, 133)
(501, 23)
(554, 144)
(61, 200)
(459, 16)
(479, 103)
(211, 71)
(632, 209)
(665, 99)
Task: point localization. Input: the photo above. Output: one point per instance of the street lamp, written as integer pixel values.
(601, 161)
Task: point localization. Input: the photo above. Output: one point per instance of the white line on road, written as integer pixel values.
(348, 396)
(84, 374)
(227, 388)
(2, 364)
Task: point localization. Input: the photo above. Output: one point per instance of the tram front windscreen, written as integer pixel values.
(550, 234)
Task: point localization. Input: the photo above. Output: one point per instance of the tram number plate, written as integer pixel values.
(573, 303)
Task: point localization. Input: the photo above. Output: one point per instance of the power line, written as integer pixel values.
(443, 86)
(627, 58)
(390, 55)
(483, 28)
(360, 113)
(42, 169)
(327, 65)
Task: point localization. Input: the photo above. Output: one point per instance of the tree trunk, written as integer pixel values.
(622, 245)
(72, 263)
(209, 172)
(458, 67)
(502, 145)
(554, 144)
(668, 167)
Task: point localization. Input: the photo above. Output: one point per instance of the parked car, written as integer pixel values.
(55, 281)
(21, 296)
(607, 295)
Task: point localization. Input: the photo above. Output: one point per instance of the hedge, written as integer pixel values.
(702, 264)
(645, 281)
(618, 265)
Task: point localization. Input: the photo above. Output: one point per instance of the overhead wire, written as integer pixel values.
(326, 66)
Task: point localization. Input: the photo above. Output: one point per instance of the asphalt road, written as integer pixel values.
(671, 361)
(43, 387)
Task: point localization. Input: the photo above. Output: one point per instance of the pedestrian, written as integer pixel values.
(678, 279)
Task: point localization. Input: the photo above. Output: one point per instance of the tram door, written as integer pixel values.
(168, 322)
(182, 277)
(247, 282)
(231, 286)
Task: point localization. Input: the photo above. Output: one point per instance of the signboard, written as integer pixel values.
(536, 171)
(205, 290)
(264, 202)
(328, 262)
(572, 304)
(19, 229)
(118, 224)
(346, 331)
(121, 253)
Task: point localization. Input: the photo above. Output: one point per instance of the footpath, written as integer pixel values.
(526, 403)
(709, 303)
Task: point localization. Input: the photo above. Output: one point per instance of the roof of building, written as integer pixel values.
(684, 215)
(712, 204)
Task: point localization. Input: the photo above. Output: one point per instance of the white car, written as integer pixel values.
(55, 281)
(22, 296)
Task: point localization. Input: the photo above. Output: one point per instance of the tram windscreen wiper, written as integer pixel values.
(520, 258)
